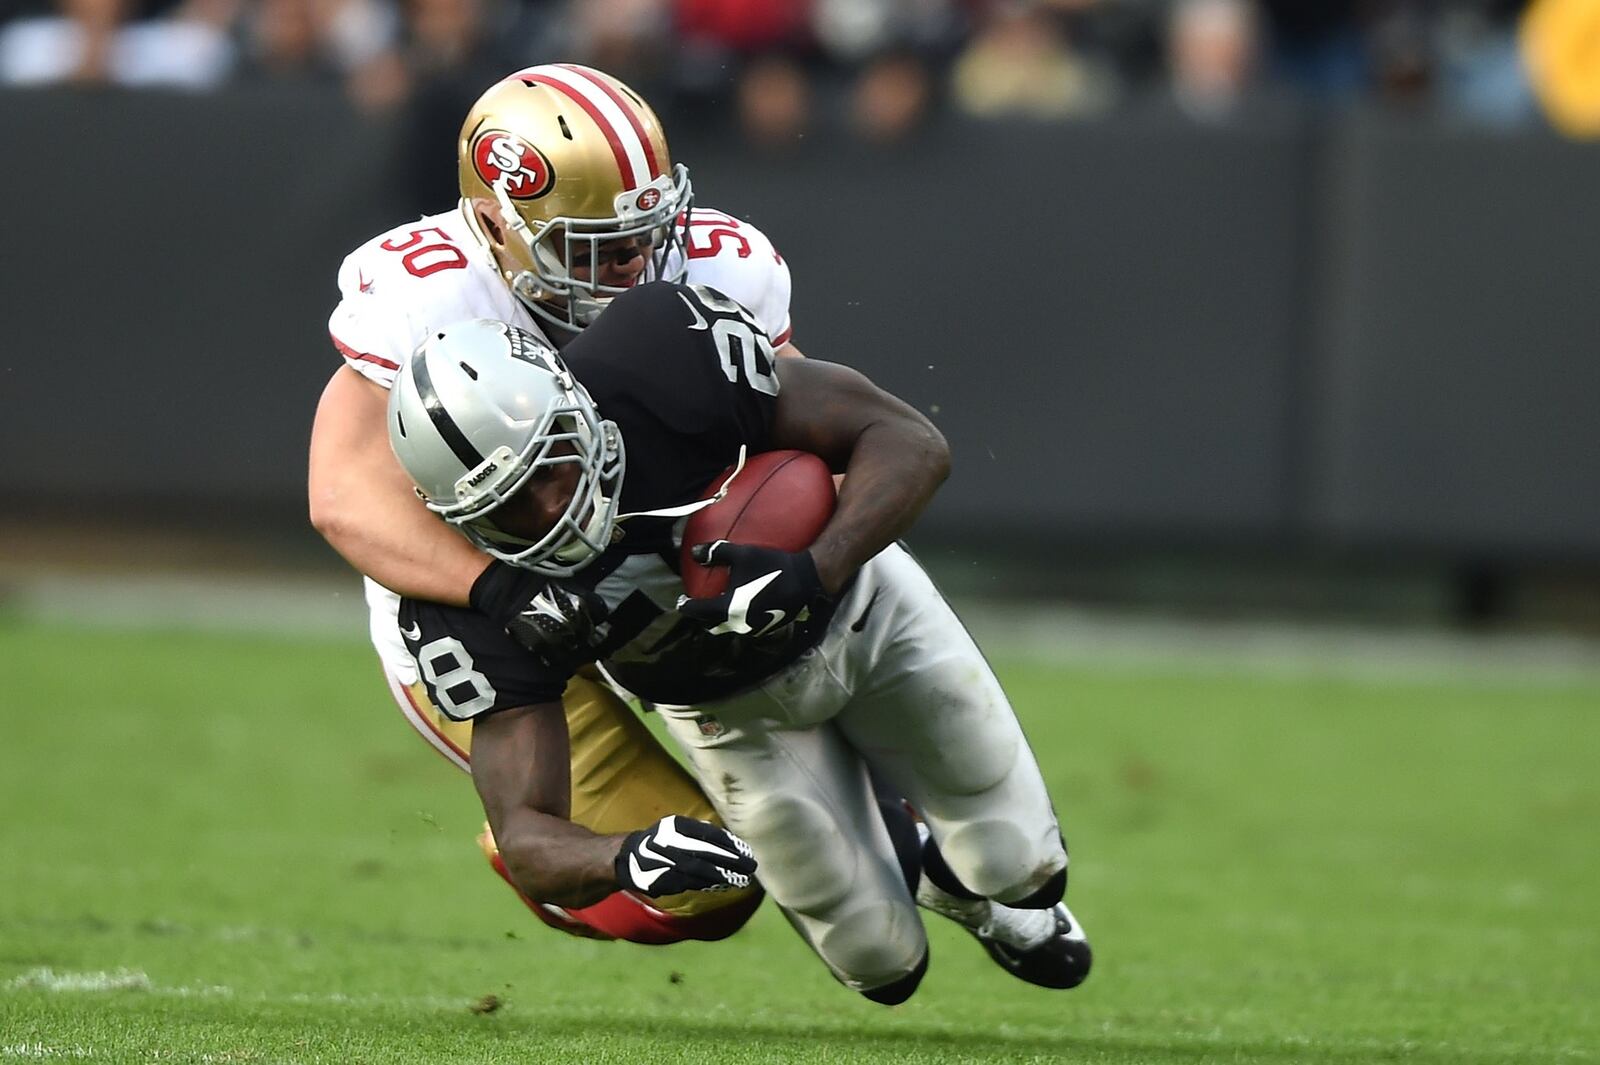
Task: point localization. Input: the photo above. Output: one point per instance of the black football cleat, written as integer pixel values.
(1061, 961)
(1046, 948)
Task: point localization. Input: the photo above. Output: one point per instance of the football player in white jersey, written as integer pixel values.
(569, 198)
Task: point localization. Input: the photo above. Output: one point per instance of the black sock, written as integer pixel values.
(1053, 891)
(903, 834)
(902, 826)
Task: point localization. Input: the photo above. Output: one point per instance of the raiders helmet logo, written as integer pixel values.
(500, 156)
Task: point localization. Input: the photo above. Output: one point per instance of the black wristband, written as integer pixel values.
(501, 590)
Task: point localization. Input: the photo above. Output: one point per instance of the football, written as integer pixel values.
(781, 499)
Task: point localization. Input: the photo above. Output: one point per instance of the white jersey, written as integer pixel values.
(400, 285)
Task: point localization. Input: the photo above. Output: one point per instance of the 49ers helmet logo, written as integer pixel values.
(527, 173)
(648, 199)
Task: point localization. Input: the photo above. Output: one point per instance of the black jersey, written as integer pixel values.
(689, 379)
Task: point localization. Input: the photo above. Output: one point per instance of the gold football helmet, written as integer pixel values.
(557, 162)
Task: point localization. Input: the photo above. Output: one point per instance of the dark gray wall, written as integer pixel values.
(1460, 367)
(1370, 332)
(169, 271)
(1103, 318)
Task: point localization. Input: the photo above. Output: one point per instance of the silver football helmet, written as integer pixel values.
(476, 411)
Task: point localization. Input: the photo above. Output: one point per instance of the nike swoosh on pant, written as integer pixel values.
(861, 622)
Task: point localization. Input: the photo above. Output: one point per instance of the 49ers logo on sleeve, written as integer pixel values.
(527, 173)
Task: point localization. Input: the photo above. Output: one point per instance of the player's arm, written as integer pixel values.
(363, 504)
(893, 459)
(521, 767)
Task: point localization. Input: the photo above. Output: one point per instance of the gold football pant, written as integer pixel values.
(622, 780)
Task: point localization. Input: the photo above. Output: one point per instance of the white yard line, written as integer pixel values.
(45, 978)
(45, 1051)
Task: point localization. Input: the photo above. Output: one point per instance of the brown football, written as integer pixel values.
(781, 499)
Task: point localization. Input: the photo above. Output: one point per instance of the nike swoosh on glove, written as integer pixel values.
(678, 854)
(555, 621)
(767, 589)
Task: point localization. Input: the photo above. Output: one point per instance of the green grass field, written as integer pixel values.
(230, 849)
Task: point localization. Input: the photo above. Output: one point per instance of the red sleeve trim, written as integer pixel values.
(777, 342)
(360, 356)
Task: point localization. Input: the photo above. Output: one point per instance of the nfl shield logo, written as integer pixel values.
(709, 726)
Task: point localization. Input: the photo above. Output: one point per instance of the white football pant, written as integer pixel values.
(896, 683)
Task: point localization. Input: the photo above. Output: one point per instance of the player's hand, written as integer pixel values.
(555, 621)
(767, 589)
(679, 854)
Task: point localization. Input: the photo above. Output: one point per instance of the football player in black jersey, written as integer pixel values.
(812, 669)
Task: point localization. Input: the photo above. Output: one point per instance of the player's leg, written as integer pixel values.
(803, 801)
(622, 780)
(1044, 947)
(450, 739)
(930, 714)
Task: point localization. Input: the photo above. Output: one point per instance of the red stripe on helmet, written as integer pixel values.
(624, 167)
(623, 104)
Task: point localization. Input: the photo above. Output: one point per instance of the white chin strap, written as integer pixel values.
(579, 550)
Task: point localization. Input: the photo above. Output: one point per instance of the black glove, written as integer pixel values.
(767, 589)
(553, 620)
(681, 854)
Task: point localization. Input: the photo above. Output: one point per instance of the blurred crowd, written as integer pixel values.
(777, 68)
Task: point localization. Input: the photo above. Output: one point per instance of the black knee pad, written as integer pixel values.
(941, 874)
(1054, 890)
(902, 989)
